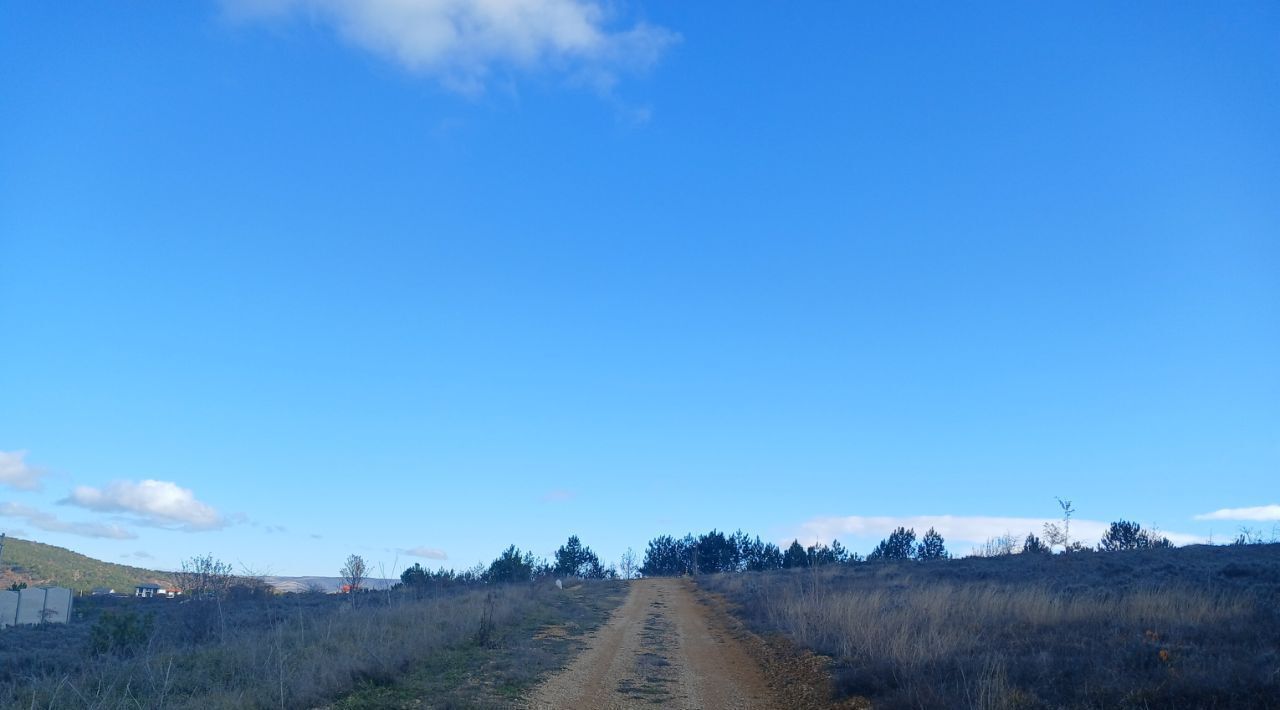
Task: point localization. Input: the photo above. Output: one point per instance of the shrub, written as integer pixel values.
(1126, 535)
(122, 633)
(998, 546)
(1032, 545)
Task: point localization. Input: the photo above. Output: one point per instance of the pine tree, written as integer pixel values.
(932, 547)
(795, 556)
(898, 546)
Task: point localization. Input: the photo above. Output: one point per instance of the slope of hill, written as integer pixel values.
(327, 585)
(39, 564)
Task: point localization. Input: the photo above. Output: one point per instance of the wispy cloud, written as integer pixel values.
(150, 502)
(139, 555)
(958, 528)
(461, 43)
(1260, 512)
(51, 523)
(430, 553)
(15, 472)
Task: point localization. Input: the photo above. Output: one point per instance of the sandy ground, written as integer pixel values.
(661, 648)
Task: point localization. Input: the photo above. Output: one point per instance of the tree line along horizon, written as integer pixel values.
(718, 552)
(709, 553)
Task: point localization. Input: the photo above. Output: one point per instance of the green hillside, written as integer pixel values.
(39, 564)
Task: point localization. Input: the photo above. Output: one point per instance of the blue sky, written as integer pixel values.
(284, 280)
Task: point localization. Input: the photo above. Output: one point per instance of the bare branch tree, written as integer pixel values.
(1055, 534)
(204, 577)
(628, 564)
(1067, 511)
(354, 573)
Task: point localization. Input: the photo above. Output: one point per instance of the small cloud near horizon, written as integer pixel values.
(1259, 513)
(16, 473)
(161, 504)
(973, 529)
(48, 522)
(430, 553)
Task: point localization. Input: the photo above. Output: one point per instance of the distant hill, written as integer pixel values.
(39, 564)
(327, 585)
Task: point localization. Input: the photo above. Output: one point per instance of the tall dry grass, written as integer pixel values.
(284, 658)
(1017, 635)
(933, 622)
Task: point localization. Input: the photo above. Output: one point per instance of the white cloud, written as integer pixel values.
(159, 503)
(44, 521)
(462, 42)
(974, 529)
(429, 553)
(1261, 512)
(15, 472)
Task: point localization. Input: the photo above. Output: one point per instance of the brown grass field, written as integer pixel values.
(464, 648)
(1195, 627)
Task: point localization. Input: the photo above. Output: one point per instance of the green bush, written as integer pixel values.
(1034, 546)
(122, 633)
(1126, 535)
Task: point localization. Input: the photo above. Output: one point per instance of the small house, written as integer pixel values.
(148, 591)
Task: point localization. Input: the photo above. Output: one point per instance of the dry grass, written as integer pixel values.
(284, 655)
(1171, 628)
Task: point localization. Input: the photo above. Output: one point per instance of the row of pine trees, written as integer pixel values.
(715, 552)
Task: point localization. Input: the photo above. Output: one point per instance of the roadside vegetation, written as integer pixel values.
(1044, 621)
(1130, 623)
(474, 636)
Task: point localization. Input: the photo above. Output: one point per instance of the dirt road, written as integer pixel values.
(661, 648)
